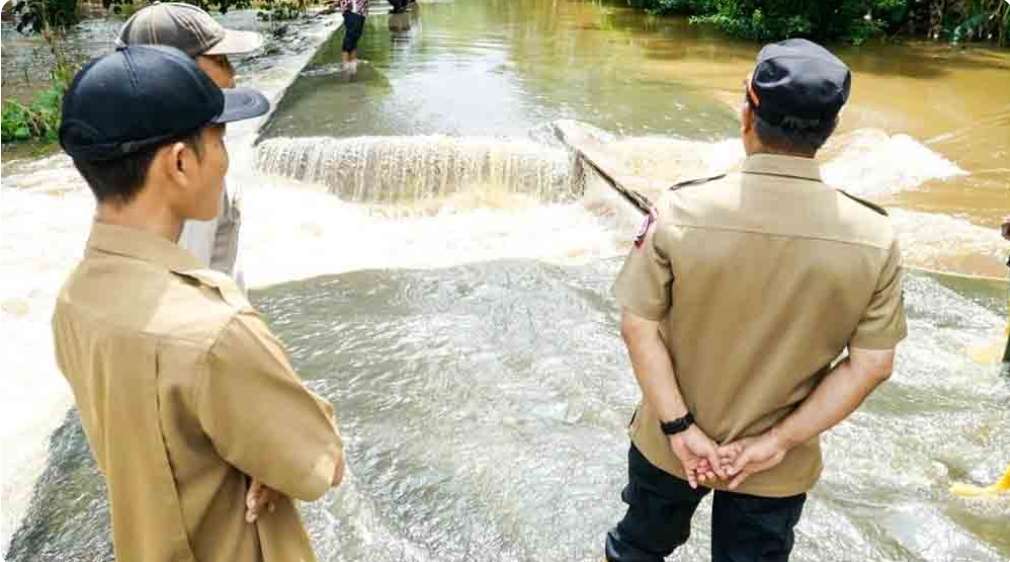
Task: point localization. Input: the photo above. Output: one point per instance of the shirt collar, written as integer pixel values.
(781, 165)
(142, 245)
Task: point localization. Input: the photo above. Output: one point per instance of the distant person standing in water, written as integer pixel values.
(355, 12)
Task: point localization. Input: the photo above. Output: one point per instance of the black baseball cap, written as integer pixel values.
(140, 96)
(798, 83)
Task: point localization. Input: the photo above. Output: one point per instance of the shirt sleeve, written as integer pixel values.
(645, 282)
(882, 325)
(261, 417)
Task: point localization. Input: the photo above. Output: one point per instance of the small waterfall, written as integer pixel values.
(391, 170)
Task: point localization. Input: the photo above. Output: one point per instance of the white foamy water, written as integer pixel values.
(305, 232)
(404, 169)
(866, 162)
(872, 163)
(40, 241)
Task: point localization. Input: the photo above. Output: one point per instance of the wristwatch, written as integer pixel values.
(678, 425)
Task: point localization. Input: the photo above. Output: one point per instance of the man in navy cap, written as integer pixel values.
(184, 394)
(759, 309)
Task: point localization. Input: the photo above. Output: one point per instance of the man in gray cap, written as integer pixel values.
(759, 309)
(214, 242)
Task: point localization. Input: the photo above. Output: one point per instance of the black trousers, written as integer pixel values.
(660, 507)
(354, 26)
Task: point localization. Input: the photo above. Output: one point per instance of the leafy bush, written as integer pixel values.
(280, 10)
(689, 7)
(849, 20)
(35, 16)
(128, 6)
(973, 20)
(38, 120)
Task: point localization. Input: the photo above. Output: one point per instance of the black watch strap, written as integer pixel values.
(678, 425)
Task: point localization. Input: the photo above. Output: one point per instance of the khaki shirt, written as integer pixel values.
(760, 280)
(184, 394)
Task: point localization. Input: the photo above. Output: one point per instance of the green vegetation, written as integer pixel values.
(272, 10)
(987, 20)
(130, 6)
(34, 16)
(848, 20)
(280, 10)
(40, 119)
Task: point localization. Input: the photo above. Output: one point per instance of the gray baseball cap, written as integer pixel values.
(187, 28)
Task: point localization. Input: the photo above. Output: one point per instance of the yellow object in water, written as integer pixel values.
(986, 354)
(1002, 487)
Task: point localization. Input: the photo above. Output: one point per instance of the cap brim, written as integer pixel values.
(236, 43)
(241, 104)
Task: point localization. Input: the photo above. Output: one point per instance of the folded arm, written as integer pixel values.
(261, 417)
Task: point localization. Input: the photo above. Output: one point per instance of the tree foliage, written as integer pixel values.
(116, 6)
(40, 119)
(848, 20)
(34, 16)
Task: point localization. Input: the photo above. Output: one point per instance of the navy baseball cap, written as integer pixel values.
(798, 83)
(140, 96)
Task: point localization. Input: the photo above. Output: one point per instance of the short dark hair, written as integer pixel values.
(794, 139)
(120, 180)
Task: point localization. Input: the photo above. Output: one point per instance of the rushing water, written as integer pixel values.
(484, 409)
(408, 170)
(927, 130)
(456, 265)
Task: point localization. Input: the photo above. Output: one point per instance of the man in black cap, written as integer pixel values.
(184, 394)
(759, 309)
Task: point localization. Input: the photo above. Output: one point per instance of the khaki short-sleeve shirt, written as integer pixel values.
(760, 280)
(184, 396)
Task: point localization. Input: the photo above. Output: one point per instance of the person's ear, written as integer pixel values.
(746, 118)
(181, 163)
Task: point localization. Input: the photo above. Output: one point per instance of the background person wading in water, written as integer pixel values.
(355, 12)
